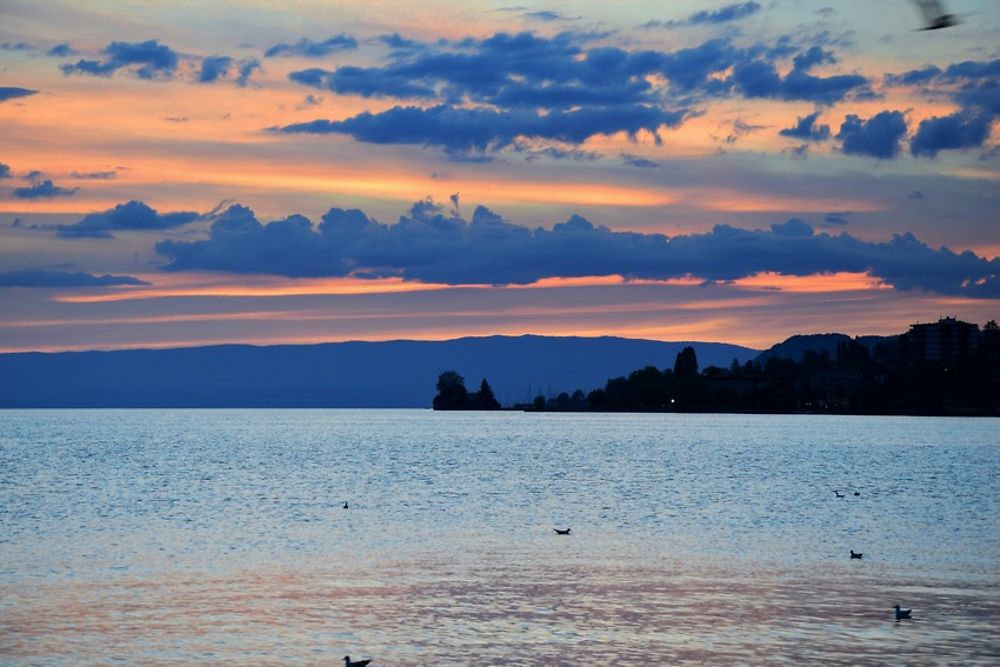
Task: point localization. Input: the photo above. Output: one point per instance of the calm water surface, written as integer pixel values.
(217, 536)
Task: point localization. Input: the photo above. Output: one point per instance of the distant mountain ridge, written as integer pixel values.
(399, 373)
(796, 346)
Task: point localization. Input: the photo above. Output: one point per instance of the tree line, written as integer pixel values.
(856, 379)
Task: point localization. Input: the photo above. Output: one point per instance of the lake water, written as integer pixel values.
(219, 536)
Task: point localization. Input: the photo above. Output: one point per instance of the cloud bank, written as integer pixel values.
(149, 60)
(43, 190)
(561, 88)
(428, 245)
(47, 278)
(133, 215)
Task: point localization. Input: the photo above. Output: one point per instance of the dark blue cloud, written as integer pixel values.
(43, 190)
(94, 175)
(962, 129)
(759, 78)
(975, 87)
(397, 42)
(482, 129)
(133, 215)
(915, 77)
(307, 48)
(245, 70)
(637, 161)
(16, 46)
(10, 93)
(689, 69)
(4, 170)
(545, 15)
(46, 278)
(314, 76)
(813, 56)
(217, 68)
(429, 245)
(496, 88)
(971, 69)
(879, 136)
(528, 70)
(150, 60)
(63, 50)
(213, 68)
(806, 128)
(984, 96)
(733, 12)
(838, 218)
(531, 154)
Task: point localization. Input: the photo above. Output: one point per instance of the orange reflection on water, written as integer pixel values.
(551, 606)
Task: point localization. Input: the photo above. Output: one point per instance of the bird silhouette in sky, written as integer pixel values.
(935, 15)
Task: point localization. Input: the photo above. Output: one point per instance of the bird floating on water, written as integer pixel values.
(857, 493)
(562, 532)
(355, 663)
(902, 613)
(935, 16)
(854, 555)
(345, 505)
(838, 494)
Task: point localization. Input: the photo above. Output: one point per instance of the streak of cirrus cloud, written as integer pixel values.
(429, 246)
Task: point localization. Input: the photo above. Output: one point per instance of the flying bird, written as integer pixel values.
(935, 15)
(854, 555)
(902, 613)
(355, 663)
(562, 532)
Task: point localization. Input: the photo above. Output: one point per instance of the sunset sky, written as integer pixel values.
(183, 173)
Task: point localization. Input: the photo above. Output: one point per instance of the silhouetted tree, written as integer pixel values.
(485, 398)
(686, 363)
(452, 394)
(539, 402)
(596, 399)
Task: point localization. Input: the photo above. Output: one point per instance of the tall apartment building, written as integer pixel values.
(946, 341)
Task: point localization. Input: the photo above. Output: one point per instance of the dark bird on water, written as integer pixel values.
(838, 494)
(935, 16)
(345, 505)
(857, 493)
(562, 532)
(902, 613)
(355, 663)
(854, 555)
